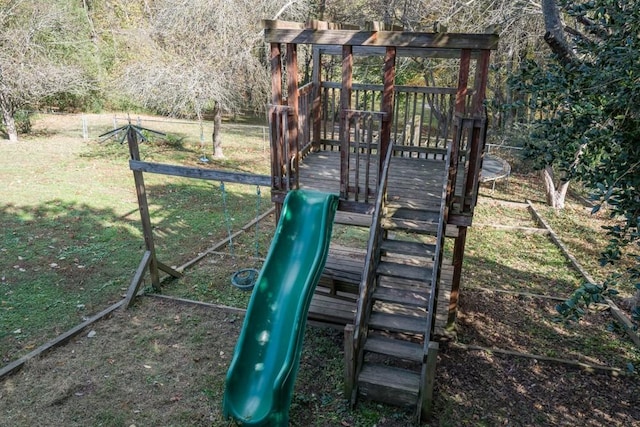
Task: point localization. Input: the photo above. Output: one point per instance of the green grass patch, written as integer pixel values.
(71, 233)
(516, 261)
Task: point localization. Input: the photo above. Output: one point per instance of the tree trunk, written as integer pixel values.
(555, 36)
(217, 129)
(9, 121)
(555, 194)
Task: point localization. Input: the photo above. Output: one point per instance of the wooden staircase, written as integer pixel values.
(395, 357)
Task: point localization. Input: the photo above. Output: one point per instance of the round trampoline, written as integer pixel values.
(493, 169)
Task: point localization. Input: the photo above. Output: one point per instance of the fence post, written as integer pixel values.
(85, 128)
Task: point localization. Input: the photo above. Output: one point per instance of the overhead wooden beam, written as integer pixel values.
(382, 38)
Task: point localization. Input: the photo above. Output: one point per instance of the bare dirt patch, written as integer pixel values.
(483, 389)
(164, 363)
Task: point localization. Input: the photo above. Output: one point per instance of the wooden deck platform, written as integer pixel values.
(334, 302)
(412, 179)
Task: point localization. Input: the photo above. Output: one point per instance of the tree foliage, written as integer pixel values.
(588, 115)
(44, 50)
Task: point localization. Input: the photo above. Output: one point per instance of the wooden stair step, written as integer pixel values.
(399, 309)
(394, 347)
(351, 218)
(414, 226)
(424, 215)
(397, 323)
(415, 297)
(403, 283)
(412, 272)
(387, 384)
(405, 247)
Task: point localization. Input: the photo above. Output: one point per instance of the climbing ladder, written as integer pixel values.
(393, 354)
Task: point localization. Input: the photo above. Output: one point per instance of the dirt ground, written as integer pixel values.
(164, 363)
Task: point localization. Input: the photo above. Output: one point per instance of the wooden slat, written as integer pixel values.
(420, 227)
(397, 323)
(416, 297)
(408, 248)
(405, 271)
(412, 52)
(391, 385)
(381, 38)
(329, 309)
(200, 173)
(396, 348)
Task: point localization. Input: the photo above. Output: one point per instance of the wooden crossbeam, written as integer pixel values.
(207, 174)
(405, 39)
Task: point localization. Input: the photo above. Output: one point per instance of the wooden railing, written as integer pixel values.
(429, 349)
(465, 164)
(284, 152)
(424, 126)
(422, 120)
(368, 282)
(360, 160)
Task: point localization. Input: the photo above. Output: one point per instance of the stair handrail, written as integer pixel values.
(435, 279)
(367, 283)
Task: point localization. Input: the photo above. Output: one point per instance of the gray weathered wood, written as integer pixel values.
(397, 323)
(426, 403)
(137, 279)
(405, 271)
(200, 173)
(411, 297)
(349, 361)
(403, 39)
(396, 386)
(405, 350)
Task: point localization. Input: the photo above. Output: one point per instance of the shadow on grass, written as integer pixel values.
(484, 273)
(64, 261)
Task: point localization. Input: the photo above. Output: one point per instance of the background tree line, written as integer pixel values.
(563, 85)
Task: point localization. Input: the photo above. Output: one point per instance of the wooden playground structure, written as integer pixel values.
(406, 162)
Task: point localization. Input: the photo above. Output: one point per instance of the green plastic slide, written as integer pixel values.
(260, 380)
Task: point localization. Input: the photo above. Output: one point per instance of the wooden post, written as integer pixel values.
(292, 102)
(345, 105)
(463, 81)
(458, 256)
(276, 132)
(134, 287)
(143, 205)
(149, 259)
(477, 139)
(430, 380)
(458, 132)
(349, 361)
(316, 109)
(389, 76)
(480, 82)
